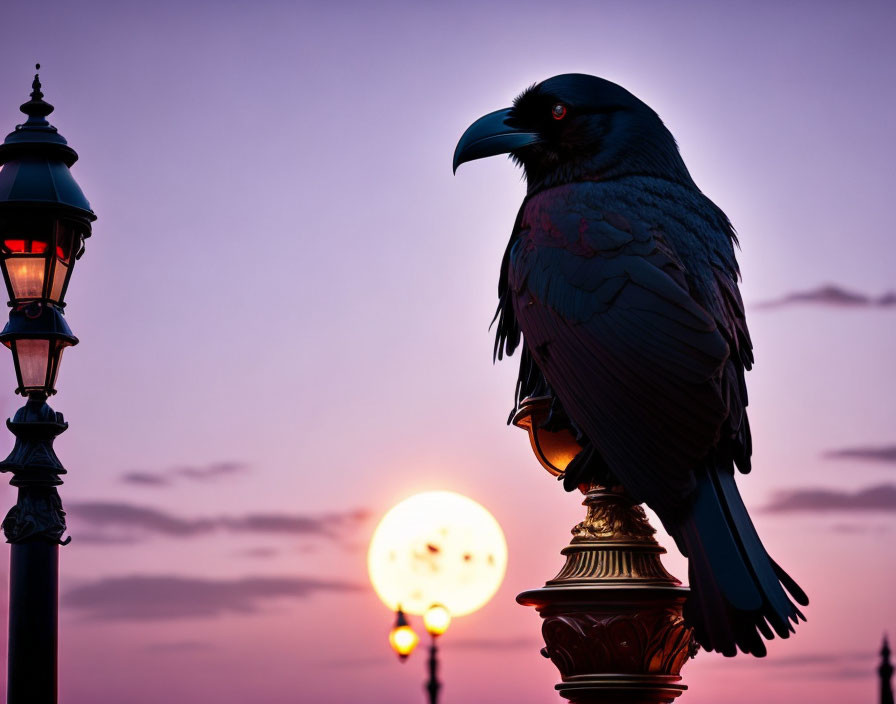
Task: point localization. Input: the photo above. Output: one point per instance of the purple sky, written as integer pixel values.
(284, 310)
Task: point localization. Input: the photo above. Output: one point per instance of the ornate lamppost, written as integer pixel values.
(612, 617)
(436, 620)
(44, 220)
(402, 637)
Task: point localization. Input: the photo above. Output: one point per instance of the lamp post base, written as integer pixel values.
(612, 618)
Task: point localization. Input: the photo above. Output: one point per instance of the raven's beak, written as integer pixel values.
(492, 134)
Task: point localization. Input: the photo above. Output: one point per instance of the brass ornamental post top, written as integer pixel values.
(612, 617)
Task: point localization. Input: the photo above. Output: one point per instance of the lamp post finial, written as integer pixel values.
(37, 107)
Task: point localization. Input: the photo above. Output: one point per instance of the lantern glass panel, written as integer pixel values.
(38, 256)
(556, 448)
(60, 275)
(34, 357)
(56, 361)
(26, 275)
(67, 238)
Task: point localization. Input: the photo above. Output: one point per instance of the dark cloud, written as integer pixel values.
(204, 473)
(861, 528)
(811, 666)
(873, 498)
(133, 520)
(162, 597)
(328, 525)
(180, 646)
(259, 552)
(106, 539)
(213, 471)
(508, 643)
(848, 673)
(824, 666)
(145, 479)
(110, 513)
(386, 659)
(820, 659)
(831, 295)
(883, 453)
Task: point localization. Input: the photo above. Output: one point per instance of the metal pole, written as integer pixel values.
(885, 671)
(34, 527)
(433, 685)
(33, 621)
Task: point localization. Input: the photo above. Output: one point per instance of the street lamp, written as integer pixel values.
(44, 220)
(402, 637)
(436, 619)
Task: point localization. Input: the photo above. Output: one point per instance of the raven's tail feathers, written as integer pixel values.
(737, 591)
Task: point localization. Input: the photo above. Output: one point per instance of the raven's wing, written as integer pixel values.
(605, 310)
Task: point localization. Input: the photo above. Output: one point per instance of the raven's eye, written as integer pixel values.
(558, 112)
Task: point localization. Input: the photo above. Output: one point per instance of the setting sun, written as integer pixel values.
(437, 547)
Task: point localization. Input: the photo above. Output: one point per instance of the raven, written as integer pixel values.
(621, 279)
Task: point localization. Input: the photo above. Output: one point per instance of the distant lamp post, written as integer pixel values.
(44, 220)
(402, 637)
(436, 619)
(885, 672)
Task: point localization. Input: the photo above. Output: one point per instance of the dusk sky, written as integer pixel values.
(284, 309)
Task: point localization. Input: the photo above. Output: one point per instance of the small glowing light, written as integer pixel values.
(403, 640)
(402, 637)
(437, 619)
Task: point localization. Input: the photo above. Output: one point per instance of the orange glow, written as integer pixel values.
(26, 275)
(403, 640)
(437, 619)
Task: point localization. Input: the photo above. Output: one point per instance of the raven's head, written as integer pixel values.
(576, 127)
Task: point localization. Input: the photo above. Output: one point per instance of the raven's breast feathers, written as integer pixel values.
(604, 280)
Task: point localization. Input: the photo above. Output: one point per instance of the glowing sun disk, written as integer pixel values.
(437, 547)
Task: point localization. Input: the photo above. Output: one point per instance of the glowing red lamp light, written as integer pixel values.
(37, 255)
